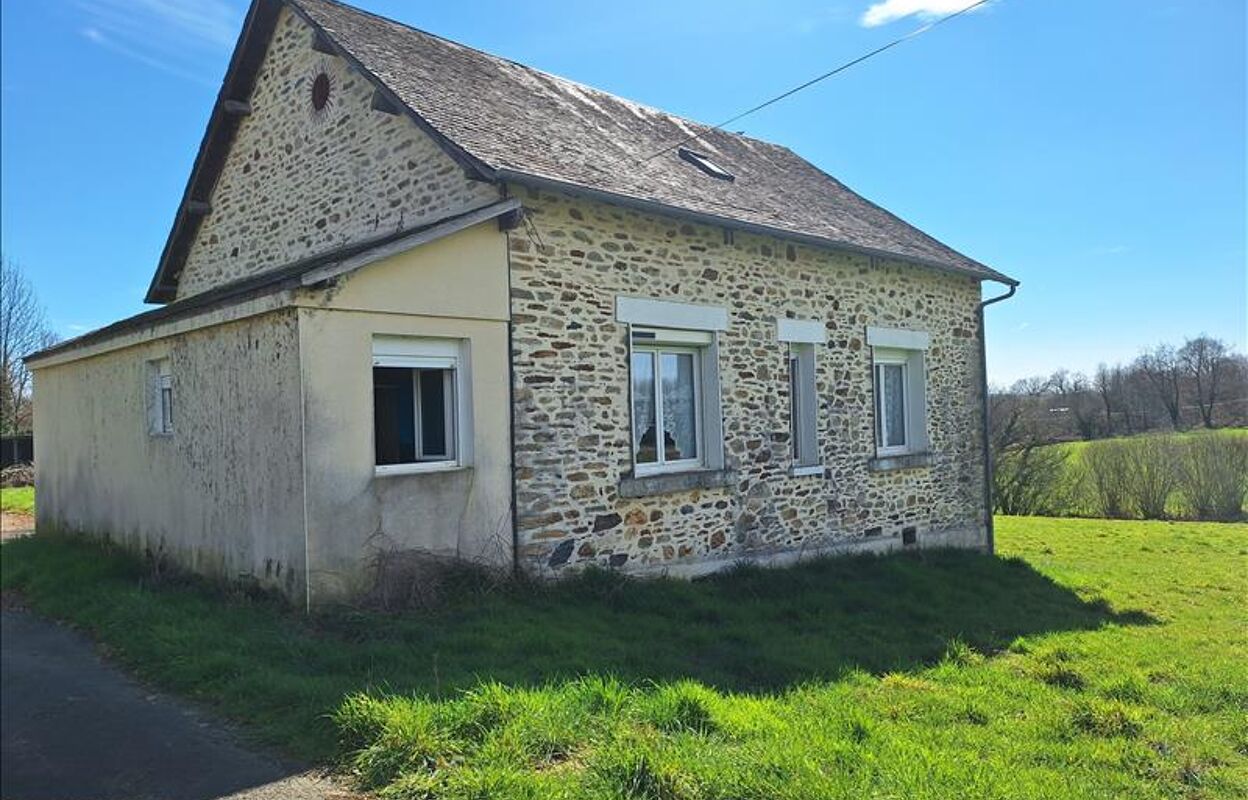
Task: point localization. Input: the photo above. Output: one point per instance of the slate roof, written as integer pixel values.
(517, 119)
(506, 121)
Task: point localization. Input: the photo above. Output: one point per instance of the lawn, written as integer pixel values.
(18, 500)
(1092, 659)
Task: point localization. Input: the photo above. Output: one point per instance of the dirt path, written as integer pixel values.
(13, 525)
(76, 727)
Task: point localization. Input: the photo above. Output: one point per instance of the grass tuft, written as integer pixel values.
(1105, 719)
(681, 706)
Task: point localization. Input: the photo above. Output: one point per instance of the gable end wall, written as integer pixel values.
(298, 182)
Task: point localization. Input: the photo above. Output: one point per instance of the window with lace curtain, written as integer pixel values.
(899, 386)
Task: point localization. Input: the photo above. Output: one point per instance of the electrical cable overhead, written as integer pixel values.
(916, 32)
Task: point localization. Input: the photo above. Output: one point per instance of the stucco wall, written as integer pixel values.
(223, 494)
(572, 393)
(454, 288)
(298, 182)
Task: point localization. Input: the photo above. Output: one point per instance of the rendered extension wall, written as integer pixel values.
(223, 494)
(298, 181)
(456, 288)
(572, 388)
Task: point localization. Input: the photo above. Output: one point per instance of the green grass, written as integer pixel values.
(1093, 659)
(1075, 449)
(19, 500)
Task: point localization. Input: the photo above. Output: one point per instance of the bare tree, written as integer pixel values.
(23, 329)
(1138, 397)
(1234, 388)
(1204, 359)
(1026, 474)
(1074, 396)
(1108, 384)
(1165, 373)
(1140, 406)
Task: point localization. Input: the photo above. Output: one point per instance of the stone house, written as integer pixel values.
(421, 298)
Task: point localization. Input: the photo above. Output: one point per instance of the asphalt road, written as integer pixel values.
(73, 726)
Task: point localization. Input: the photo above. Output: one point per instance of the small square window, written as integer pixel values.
(419, 404)
(413, 414)
(703, 162)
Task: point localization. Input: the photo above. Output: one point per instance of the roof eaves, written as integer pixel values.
(656, 206)
(314, 269)
(218, 136)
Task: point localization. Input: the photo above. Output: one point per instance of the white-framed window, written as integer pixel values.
(421, 413)
(891, 404)
(802, 337)
(899, 390)
(673, 384)
(160, 397)
(668, 399)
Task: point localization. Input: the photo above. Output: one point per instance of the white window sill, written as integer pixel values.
(392, 470)
(885, 461)
(811, 469)
(643, 471)
(670, 482)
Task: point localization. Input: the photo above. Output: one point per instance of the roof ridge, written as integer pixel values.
(562, 78)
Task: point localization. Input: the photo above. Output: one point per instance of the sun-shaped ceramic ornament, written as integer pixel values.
(321, 93)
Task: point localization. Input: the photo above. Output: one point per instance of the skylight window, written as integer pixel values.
(704, 163)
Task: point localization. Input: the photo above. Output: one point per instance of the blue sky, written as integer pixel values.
(1095, 150)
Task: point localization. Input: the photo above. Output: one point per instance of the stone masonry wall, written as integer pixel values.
(571, 386)
(299, 181)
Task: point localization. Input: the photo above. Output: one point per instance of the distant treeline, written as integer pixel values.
(1046, 462)
(1202, 383)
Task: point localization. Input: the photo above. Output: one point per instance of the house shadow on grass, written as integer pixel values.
(749, 630)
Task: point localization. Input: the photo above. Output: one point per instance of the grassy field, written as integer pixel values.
(19, 500)
(1093, 659)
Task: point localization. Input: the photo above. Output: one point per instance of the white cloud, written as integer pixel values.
(94, 36)
(887, 11)
(186, 38)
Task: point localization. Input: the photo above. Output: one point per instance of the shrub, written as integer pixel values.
(1213, 476)
(1108, 467)
(1030, 480)
(420, 580)
(1152, 474)
(17, 475)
